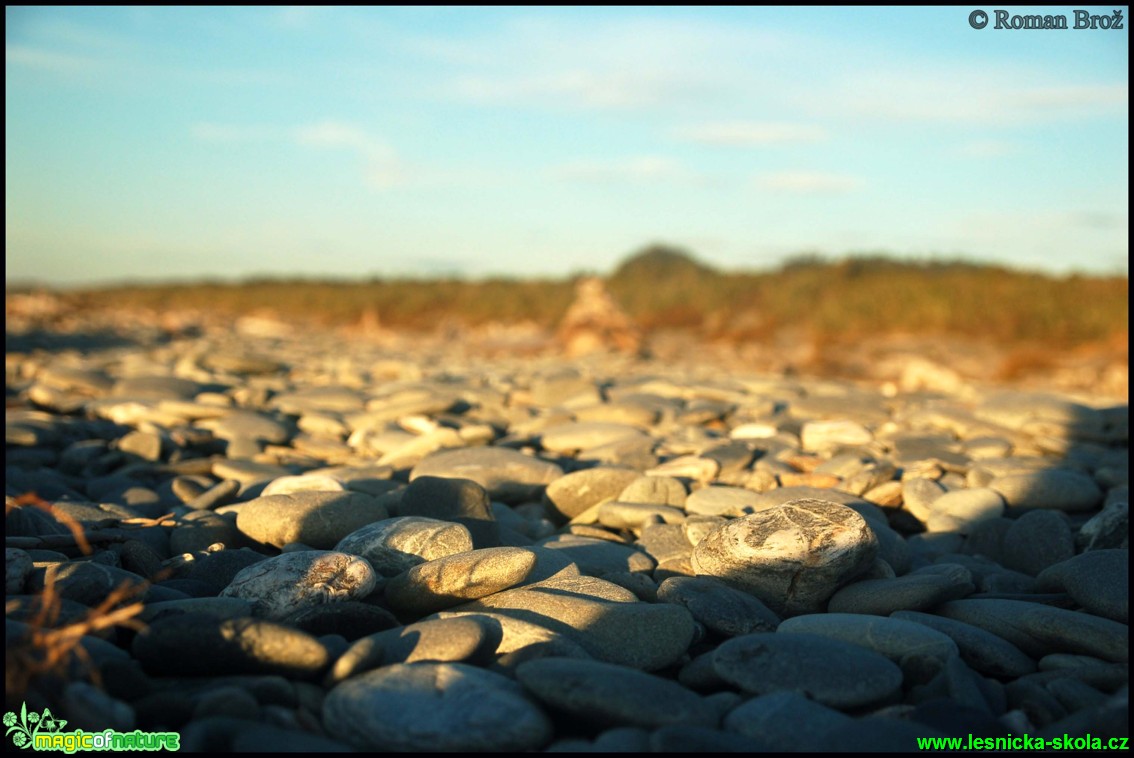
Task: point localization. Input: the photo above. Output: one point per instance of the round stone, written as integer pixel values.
(435, 707)
(721, 608)
(454, 579)
(317, 519)
(282, 585)
(832, 672)
(460, 500)
(1098, 580)
(508, 475)
(919, 651)
(1062, 489)
(191, 644)
(1036, 540)
(606, 620)
(605, 693)
(398, 544)
(570, 495)
(792, 557)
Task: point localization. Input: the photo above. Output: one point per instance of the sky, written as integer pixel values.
(170, 144)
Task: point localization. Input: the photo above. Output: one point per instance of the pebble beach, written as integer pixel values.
(276, 539)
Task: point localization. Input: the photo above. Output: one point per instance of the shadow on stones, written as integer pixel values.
(54, 342)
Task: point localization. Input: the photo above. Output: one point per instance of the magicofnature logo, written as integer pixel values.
(42, 731)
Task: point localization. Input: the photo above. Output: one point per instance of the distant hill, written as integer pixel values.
(659, 263)
(666, 287)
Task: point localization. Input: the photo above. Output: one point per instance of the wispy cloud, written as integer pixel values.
(382, 167)
(49, 60)
(647, 168)
(604, 64)
(986, 148)
(233, 133)
(809, 182)
(958, 93)
(750, 133)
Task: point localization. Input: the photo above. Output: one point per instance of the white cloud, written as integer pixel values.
(745, 133)
(647, 168)
(47, 60)
(958, 93)
(808, 182)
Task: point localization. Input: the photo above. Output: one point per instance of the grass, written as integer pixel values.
(665, 288)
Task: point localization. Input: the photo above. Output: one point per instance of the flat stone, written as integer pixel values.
(959, 510)
(985, 652)
(919, 495)
(1109, 528)
(597, 557)
(398, 544)
(792, 557)
(348, 619)
(1036, 540)
(250, 425)
(721, 501)
(832, 672)
(435, 707)
(574, 436)
(197, 645)
(572, 494)
(684, 738)
(282, 585)
(608, 621)
(1098, 580)
(785, 720)
(157, 387)
(828, 435)
(919, 651)
(318, 519)
(663, 490)
(722, 609)
(452, 640)
(522, 640)
(286, 485)
(916, 592)
(606, 693)
(634, 516)
(460, 500)
(1061, 489)
(1040, 629)
(444, 582)
(508, 475)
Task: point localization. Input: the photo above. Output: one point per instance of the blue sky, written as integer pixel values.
(176, 143)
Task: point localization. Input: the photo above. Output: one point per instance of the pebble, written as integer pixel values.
(920, 651)
(198, 645)
(605, 693)
(792, 557)
(508, 475)
(837, 674)
(571, 494)
(442, 707)
(410, 546)
(1040, 629)
(720, 608)
(318, 519)
(279, 586)
(445, 582)
(400, 543)
(1098, 580)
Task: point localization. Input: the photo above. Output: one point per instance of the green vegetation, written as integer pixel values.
(663, 287)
